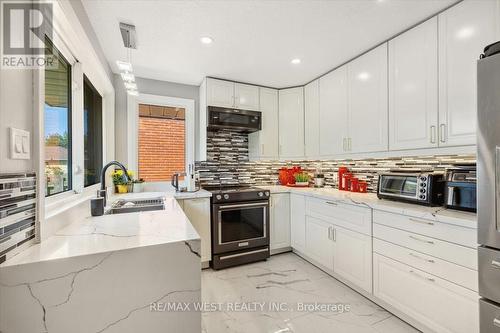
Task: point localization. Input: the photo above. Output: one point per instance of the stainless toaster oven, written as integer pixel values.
(419, 188)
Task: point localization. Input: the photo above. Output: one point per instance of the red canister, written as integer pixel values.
(363, 187)
(354, 184)
(340, 178)
(346, 181)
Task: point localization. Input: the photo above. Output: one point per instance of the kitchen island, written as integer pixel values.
(113, 273)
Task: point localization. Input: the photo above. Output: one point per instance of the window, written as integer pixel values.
(161, 141)
(57, 120)
(92, 131)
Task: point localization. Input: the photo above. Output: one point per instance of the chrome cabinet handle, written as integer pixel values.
(330, 233)
(421, 239)
(334, 235)
(332, 203)
(495, 264)
(349, 144)
(421, 258)
(433, 134)
(496, 322)
(422, 277)
(343, 144)
(442, 132)
(421, 221)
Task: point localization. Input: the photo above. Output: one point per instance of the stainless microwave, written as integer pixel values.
(234, 119)
(419, 188)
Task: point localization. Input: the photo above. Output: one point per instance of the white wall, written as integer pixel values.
(16, 110)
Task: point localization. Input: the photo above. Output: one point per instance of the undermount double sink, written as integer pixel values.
(136, 205)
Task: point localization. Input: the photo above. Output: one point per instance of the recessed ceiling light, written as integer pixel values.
(124, 66)
(295, 61)
(465, 32)
(206, 40)
(364, 76)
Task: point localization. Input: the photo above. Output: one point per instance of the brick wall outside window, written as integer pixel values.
(161, 148)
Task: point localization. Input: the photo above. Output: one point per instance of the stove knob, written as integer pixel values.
(261, 194)
(218, 197)
(226, 196)
(267, 194)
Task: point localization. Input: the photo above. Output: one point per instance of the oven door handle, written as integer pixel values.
(257, 204)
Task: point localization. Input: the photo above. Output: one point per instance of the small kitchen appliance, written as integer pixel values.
(460, 188)
(234, 119)
(413, 187)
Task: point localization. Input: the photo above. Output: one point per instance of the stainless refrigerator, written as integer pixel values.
(488, 200)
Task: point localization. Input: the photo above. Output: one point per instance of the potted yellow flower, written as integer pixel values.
(120, 182)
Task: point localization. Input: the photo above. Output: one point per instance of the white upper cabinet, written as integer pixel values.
(291, 123)
(333, 112)
(220, 93)
(413, 88)
(464, 30)
(246, 97)
(312, 119)
(263, 144)
(367, 87)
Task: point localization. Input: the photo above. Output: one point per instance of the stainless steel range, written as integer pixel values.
(240, 225)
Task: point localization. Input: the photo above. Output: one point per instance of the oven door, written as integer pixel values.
(399, 186)
(237, 226)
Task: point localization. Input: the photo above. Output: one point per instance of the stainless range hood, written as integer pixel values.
(237, 120)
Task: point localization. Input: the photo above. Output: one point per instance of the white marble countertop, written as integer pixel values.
(438, 214)
(91, 235)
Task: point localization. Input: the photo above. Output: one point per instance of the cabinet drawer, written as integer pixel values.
(460, 275)
(351, 217)
(489, 317)
(439, 230)
(440, 305)
(457, 254)
(489, 273)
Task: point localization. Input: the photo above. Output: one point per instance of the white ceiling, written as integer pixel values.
(254, 41)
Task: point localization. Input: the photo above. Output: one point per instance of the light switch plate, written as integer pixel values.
(19, 144)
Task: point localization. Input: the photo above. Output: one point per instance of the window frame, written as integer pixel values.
(86, 80)
(70, 115)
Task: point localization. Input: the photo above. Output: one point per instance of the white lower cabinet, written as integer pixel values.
(352, 257)
(280, 221)
(440, 305)
(198, 212)
(319, 245)
(298, 221)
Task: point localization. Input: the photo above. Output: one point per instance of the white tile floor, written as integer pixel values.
(288, 279)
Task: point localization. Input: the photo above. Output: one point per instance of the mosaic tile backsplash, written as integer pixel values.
(227, 164)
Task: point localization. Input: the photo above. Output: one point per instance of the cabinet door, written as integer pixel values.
(333, 111)
(298, 221)
(246, 97)
(464, 30)
(291, 122)
(311, 116)
(264, 143)
(353, 257)
(368, 102)
(319, 245)
(220, 93)
(413, 88)
(280, 220)
(198, 213)
(440, 305)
